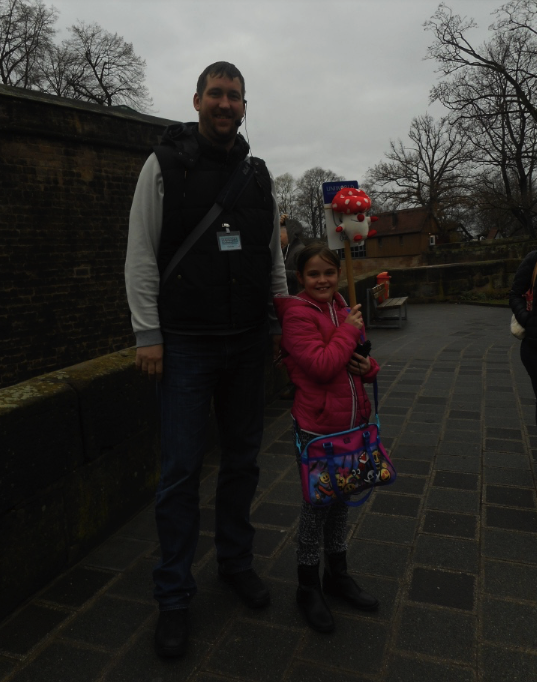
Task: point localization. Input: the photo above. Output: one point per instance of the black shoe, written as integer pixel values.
(311, 600)
(249, 586)
(171, 633)
(338, 583)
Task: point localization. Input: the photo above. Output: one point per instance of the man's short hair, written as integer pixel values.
(219, 69)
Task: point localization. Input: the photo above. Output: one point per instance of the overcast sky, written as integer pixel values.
(328, 82)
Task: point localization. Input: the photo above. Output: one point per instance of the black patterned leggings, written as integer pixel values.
(330, 522)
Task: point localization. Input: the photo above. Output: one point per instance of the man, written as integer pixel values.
(203, 332)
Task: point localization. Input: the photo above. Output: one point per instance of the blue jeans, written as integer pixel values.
(230, 371)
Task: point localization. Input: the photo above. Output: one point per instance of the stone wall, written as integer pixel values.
(68, 173)
(79, 457)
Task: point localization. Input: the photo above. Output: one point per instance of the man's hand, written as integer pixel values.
(149, 361)
(358, 364)
(276, 352)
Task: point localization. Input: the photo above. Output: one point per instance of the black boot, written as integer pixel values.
(310, 598)
(338, 583)
(171, 634)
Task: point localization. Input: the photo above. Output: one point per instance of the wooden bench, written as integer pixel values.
(376, 312)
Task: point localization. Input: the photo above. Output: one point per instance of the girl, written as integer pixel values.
(319, 338)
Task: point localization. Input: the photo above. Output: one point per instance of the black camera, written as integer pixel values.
(363, 349)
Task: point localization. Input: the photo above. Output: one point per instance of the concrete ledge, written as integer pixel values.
(79, 458)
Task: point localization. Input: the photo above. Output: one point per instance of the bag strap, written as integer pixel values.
(226, 199)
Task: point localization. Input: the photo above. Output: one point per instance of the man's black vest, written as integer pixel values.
(211, 290)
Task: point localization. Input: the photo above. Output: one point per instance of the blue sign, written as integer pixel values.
(330, 189)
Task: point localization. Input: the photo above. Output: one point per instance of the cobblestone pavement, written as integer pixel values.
(450, 549)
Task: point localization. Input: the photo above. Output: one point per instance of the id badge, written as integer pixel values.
(229, 241)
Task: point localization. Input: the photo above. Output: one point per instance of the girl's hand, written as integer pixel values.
(358, 364)
(355, 317)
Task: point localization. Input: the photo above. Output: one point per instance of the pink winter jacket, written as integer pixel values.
(316, 347)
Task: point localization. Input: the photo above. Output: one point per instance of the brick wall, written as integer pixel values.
(67, 174)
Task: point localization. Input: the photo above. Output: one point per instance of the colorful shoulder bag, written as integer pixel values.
(345, 464)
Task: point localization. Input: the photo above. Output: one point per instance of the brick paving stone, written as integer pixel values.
(413, 452)
(388, 560)
(267, 541)
(511, 497)
(143, 526)
(460, 449)
(496, 445)
(410, 437)
(306, 672)
(118, 553)
(454, 553)
(464, 414)
(207, 519)
(501, 432)
(6, 666)
(463, 424)
(452, 436)
(507, 477)
(402, 669)
(502, 544)
(443, 523)
(515, 519)
(275, 514)
(454, 463)
(205, 545)
(222, 607)
(286, 492)
(77, 586)
(108, 622)
(396, 412)
(283, 610)
(411, 485)
(284, 567)
(509, 623)
(254, 651)
(399, 505)
(388, 528)
(136, 583)
(408, 466)
(356, 644)
(22, 632)
(443, 588)
(507, 579)
(418, 417)
(140, 663)
(448, 479)
(501, 665)
(453, 500)
(441, 633)
(63, 663)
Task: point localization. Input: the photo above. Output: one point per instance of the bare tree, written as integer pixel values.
(516, 23)
(493, 106)
(97, 66)
(431, 171)
(26, 33)
(286, 194)
(309, 198)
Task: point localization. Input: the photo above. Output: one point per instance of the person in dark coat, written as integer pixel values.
(291, 243)
(527, 318)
